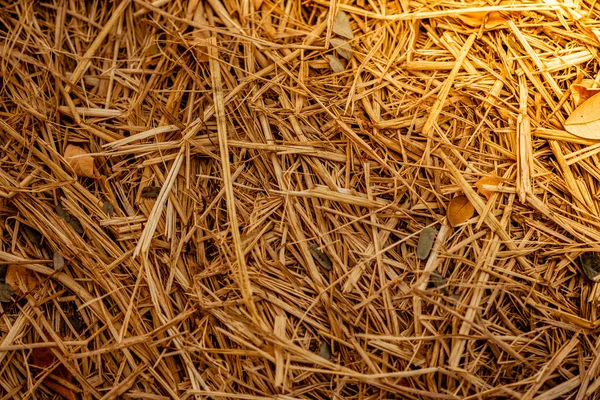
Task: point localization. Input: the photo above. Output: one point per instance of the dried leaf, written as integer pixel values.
(439, 282)
(80, 160)
(426, 239)
(584, 122)
(6, 292)
(494, 18)
(583, 91)
(77, 322)
(108, 208)
(33, 235)
(487, 180)
(76, 225)
(60, 389)
(590, 263)
(342, 47)
(150, 192)
(341, 26)
(60, 210)
(151, 51)
(58, 260)
(71, 220)
(320, 256)
(20, 279)
(43, 358)
(335, 63)
(325, 351)
(459, 210)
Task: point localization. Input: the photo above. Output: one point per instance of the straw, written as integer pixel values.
(252, 229)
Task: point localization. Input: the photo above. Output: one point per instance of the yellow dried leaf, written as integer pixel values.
(342, 47)
(583, 90)
(494, 18)
(476, 19)
(341, 26)
(335, 63)
(459, 210)
(584, 122)
(487, 180)
(20, 279)
(80, 160)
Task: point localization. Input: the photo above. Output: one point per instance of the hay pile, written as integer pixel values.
(249, 222)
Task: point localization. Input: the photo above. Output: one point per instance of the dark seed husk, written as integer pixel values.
(150, 192)
(77, 322)
(322, 258)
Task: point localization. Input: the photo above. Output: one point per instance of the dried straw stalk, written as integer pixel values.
(229, 154)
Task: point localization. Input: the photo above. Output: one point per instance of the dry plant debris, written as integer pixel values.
(257, 151)
(460, 210)
(80, 160)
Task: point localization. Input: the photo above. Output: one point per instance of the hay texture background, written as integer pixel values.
(231, 144)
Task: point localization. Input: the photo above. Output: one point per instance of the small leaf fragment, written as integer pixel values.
(487, 180)
(60, 210)
(342, 47)
(58, 260)
(76, 225)
(6, 292)
(341, 26)
(426, 239)
(80, 160)
(108, 208)
(322, 258)
(150, 192)
(20, 279)
(459, 210)
(439, 282)
(493, 20)
(33, 235)
(335, 63)
(583, 90)
(71, 220)
(325, 351)
(590, 263)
